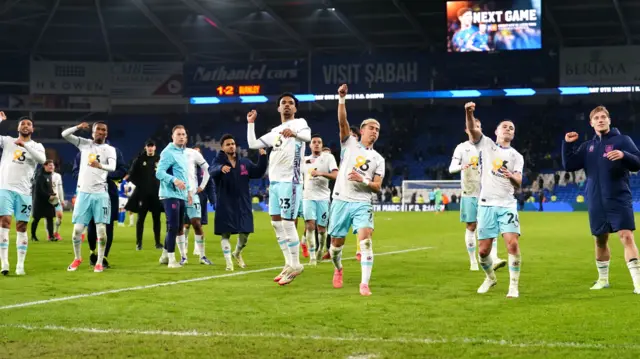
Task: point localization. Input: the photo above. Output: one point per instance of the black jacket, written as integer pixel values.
(42, 190)
(142, 173)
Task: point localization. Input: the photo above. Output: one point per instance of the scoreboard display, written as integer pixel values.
(238, 90)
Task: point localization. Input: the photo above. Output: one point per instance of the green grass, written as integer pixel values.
(424, 303)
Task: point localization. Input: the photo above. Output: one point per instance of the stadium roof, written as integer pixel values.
(224, 30)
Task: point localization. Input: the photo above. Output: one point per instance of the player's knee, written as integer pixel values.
(472, 226)
(512, 242)
(337, 242)
(101, 230)
(5, 221)
(484, 252)
(601, 240)
(626, 237)
(78, 229)
(277, 226)
(366, 244)
(21, 226)
(310, 225)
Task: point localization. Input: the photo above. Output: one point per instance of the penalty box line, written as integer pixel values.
(360, 339)
(166, 284)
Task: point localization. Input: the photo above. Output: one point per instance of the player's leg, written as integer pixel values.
(22, 243)
(155, 217)
(289, 214)
(362, 218)
(101, 208)
(194, 219)
(81, 216)
(631, 257)
(243, 238)
(338, 229)
(510, 229)
(7, 209)
(225, 244)
(49, 224)
(488, 229)
(34, 228)
(603, 258)
(143, 209)
(469, 216)
(180, 242)
(322, 221)
(58, 222)
(92, 241)
(121, 211)
(310, 217)
(275, 211)
(174, 211)
(302, 239)
(199, 235)
(470, 238)
(132, 218)
(107, 248)
(187, 230)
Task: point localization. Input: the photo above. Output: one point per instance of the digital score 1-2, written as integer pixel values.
(238, 90)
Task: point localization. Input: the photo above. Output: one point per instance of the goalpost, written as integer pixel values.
(424, 187)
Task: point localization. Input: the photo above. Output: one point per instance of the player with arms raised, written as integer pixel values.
(501, 171)
(360, 175)
(466, 160)
(96, 159)
(318, 169)
(20, 156)
(288, 143)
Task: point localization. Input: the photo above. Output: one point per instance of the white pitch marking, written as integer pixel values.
(164, 284)
(298, 338)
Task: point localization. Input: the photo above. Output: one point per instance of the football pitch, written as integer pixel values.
(424, 302)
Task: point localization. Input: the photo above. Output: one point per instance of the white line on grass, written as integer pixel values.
(298, 338)
(164, 284)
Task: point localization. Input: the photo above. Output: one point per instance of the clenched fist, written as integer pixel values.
(342, 90)
(470, 106)
(571, 137)
(251, 116)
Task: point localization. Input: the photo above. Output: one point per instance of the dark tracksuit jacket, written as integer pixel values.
(234, 213)
(609, 197)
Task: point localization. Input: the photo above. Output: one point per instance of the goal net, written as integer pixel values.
(416, 195)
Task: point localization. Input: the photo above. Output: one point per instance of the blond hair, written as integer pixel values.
(599, 109)
(369, 121)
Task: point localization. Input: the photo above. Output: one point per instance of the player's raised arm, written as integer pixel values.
(572, 157)
(68, 134)
(342, 113)
(474, 132)
(254, 143)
